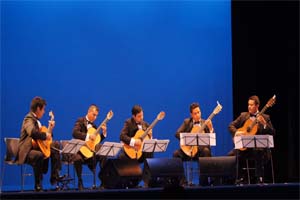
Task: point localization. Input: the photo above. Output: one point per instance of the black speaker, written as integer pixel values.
(219, 170)
(163, 172)
(120, 173)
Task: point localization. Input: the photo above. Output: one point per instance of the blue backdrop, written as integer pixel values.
(162, 55)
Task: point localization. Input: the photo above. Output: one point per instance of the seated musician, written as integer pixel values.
(128, 133)
(188, 125)
(80, 131)
(263, 125)
(32, 133)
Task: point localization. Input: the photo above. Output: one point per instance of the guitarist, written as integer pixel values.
(80, 130)
(187, 126)
(264, 126)
(131, 126)
(34, 157)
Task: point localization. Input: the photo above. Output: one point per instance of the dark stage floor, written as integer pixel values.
(266, 191)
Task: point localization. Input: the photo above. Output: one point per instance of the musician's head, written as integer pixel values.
(37, 106)
(93, 112)
(137, 113)
(253, 104)
(195, 111)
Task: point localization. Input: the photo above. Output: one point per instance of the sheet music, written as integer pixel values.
(204, 139)
(110, 149)
(155, 145)
(73, 146)
(254, 141)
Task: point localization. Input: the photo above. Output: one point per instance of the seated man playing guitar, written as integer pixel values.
(253, 122)
(85, 129)
(36, 145)
(131, 127)
(192, 125)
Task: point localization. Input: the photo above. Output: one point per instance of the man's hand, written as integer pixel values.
(261, 120)
(104, 130)
(238, 133)
(92, 137)
(51, 125)
(137, 143)
(209, 125)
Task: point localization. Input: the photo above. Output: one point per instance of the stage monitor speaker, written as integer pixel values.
(120, 174)
(163, 172)
(219, 170)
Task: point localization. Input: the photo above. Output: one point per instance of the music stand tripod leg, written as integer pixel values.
(94, 171)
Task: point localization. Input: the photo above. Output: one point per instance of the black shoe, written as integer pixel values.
(38, 188)
(260, 180)
(80, 185)
(101, 187)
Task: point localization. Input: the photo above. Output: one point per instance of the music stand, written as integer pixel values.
(254, 141)
(110, 149)
(154, 145)
(196, 139)
(72, 147)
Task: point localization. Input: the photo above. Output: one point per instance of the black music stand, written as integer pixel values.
(154, 145)
(71, 148)
(109, 149)
(254, 141)
(196, 139)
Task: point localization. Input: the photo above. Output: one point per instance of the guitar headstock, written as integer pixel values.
(51, 115)
(218, 108)
(271, 101)
(109, 115)
(161, 115)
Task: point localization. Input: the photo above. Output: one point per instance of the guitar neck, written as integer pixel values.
(204, 125)
(99, 127)
(149, 128)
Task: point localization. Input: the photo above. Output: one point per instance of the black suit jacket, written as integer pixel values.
(244, 116)
(187, 126)
(30, 130)
(80, 129)
(129, 129)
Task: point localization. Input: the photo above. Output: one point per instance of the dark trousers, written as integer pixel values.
(259, 157)
(145, 155)
(202, 152)
(79, 160)
(36, 159)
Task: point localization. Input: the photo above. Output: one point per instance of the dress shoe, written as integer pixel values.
(260, 180)
(38, 188)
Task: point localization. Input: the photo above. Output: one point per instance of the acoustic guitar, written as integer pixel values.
(250, 126)
(44, 145)
(89, 148)
(191, 151)
(136, 152)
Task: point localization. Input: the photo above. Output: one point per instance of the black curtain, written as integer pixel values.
(265, 58)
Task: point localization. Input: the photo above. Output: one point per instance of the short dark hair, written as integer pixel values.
(94, 106)
(255, 99)
(193, 106)
(136, 109)
(37, 102)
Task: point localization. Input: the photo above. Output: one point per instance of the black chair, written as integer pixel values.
(10, 155)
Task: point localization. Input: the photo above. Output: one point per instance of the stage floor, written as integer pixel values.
(254, 191)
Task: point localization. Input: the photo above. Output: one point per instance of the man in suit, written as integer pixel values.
(194, 121)
(264, 126)
(131, 126)
(31, 130)
(80, 131)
